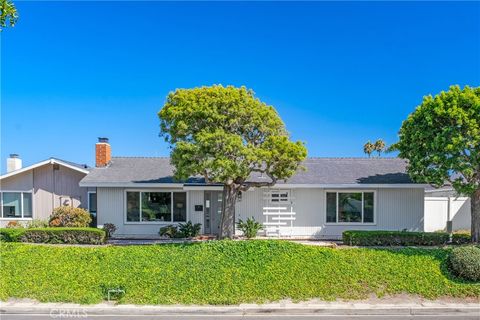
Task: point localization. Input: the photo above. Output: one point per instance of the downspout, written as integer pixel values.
(54, 187)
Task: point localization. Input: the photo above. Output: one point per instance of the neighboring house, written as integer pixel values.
(34, 191)
(139, 195)
(444, 204)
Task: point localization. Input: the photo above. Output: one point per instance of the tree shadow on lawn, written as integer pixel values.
(439, 254)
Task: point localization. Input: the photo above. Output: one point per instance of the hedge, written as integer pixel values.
(54, 235)
(400, 238)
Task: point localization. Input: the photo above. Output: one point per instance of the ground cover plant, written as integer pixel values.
(223, 272)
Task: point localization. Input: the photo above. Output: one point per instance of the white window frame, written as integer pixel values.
(21, 204)
(337, 191)
(284, 200)
(140, 206)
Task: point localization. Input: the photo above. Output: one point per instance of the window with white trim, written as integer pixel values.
(153, 206)
(350, 207)
(279, 196)
(16, 205)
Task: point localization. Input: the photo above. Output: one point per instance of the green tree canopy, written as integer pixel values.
(441, 140)
(8, 14)
(225, 134)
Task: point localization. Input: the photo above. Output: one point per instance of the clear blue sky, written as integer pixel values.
(338, 73)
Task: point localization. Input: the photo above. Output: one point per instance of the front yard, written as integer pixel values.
(222, 272)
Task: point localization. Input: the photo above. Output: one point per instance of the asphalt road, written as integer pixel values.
(240, 317)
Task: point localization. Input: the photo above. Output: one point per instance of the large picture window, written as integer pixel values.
(158, 207)
(16, 205)
(350, 207)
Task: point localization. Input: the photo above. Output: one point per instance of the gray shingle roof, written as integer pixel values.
(319, 171)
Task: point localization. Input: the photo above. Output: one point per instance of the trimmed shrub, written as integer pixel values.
(64, 235)
(461, 238)
(250, 227)
(189, 230)
(394, 238)
(109, 229)
(70, 217)
(11, 234)
(464, 262)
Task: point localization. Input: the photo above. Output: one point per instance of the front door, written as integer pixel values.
(213, 212)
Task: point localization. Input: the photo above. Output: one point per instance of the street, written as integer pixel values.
(239, 317)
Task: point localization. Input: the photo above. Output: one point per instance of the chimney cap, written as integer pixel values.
(102, 140)
(14, 155)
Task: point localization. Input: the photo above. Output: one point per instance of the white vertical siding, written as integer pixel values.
(396, 209)
(111, 209)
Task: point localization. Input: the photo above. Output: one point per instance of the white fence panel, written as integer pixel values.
(437, 213)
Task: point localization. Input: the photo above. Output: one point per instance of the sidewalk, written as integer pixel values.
(282, 308)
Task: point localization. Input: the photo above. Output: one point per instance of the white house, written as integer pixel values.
(139, 195)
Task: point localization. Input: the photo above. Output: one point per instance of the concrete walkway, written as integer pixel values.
(282, 308)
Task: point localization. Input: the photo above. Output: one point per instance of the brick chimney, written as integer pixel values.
(103, 153)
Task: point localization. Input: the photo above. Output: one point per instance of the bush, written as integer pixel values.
(64, 235)
(37, 223)
(109, 229)
(11, 234)
(394, 238)
(70, 217)
(461, 238)
(189, 230)
(250, 227)
(168, 231)
(14, 225)
(464, 262)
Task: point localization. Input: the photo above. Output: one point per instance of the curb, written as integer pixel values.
(289, 309)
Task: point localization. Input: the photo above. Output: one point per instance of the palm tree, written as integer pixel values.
(8, 14)
(379, 146)
(368, 148)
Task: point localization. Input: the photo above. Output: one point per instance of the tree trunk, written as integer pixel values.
(227, 229)
(475, 201)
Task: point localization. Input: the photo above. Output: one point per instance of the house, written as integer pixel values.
(33, 192)
(444, 204)
(139, 195)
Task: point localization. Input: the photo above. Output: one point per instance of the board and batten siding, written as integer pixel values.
(51, 188)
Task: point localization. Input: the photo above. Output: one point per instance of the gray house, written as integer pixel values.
(32, 192)
(139, 195)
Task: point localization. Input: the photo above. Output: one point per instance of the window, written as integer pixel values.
(92, 202)
(279, 196)
(350, 207)
(156, 206)
(16, 205)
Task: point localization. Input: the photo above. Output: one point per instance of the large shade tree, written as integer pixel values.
(441, 140)
(226, 134)
(8, 14)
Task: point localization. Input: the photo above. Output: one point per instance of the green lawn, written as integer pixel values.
(222, 272)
